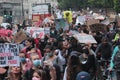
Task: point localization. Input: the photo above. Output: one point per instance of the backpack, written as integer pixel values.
(117, 59)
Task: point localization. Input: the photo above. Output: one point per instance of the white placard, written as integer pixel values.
(9, 55)
(84, 38)
(36, 32)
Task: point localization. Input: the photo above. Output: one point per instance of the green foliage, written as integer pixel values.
(78, 4)
(117, 6)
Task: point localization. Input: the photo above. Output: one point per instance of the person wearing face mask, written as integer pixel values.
(36, 64)
(104, 50)
(25, 62)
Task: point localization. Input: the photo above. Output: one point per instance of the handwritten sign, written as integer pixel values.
(85, 38)
(36, 32)
(9, 55)
(98, 27)
(92, 21)
(20, 36)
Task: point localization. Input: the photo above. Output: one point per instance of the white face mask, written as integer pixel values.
(111, 28)
(34, 78)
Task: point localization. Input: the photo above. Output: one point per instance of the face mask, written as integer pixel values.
(23, 60)
(36, 63)
(34, 78)
(50, 54)
(52, 32)
(111, 28)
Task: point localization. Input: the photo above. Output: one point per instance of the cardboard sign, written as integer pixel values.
(36, 32)
(84, 38)
(118, 20)
(98, 27)
(92, 21)
(9, 55)
(20, 36)
(106, 22)
(73, 32)
(1, 19)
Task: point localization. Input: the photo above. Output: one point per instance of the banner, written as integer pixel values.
(85, 38)
(36, 32)
(9, 55)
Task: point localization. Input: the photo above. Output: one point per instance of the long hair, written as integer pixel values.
(41, 73)
(73, 67)
(11, 77)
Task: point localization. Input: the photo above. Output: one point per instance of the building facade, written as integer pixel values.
(11, 10)
(18, 10)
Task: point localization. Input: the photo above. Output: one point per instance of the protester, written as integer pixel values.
(36, 64)
(54, 52)
(104, 50)
(3, 72)
(30, 48)
(73, 67)
(39, 75)
(115, 61)
(14, 74)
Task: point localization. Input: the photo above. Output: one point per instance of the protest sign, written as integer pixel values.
(61, 23)
(98, 27)
(1, 19)
(47, 30)
(84, 38)
(81, 20)
(106, 21)
(92, 21)
(20, 36)
(73, 32)
(9, 55)
(36, 32)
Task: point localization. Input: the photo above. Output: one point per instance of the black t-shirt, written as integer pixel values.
(29, 74)
(2, 76)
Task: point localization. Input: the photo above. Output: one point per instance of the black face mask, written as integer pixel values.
(86, 51)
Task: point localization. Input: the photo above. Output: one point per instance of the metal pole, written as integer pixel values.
(22, 8)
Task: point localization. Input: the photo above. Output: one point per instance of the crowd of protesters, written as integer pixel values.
(59, 56)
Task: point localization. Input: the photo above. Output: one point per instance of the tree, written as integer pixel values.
(78, 4)
(117, 6)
